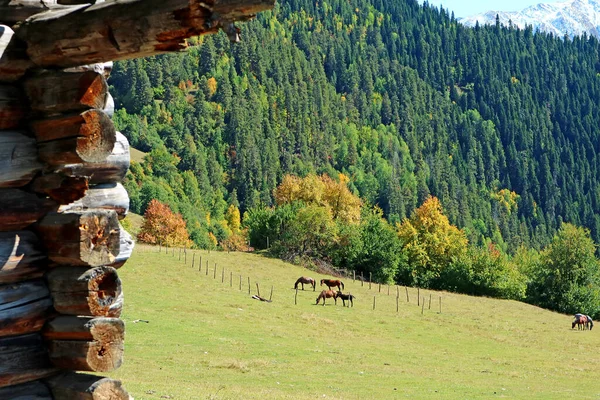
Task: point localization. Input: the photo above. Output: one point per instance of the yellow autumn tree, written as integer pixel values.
(322, 191)
(431, 243)
(232, 216)
(344, 205)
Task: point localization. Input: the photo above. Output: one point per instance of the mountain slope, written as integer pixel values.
(569, 18)
(500, 124)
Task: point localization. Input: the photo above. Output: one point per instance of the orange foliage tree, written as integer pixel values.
(163, 226)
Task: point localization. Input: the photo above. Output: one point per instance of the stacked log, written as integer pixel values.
(61, 167)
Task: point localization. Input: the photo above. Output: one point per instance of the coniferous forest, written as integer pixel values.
(381, 137)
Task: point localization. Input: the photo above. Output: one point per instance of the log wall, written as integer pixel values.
(61, 166)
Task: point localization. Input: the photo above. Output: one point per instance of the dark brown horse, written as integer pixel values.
(350, 297)
(331, 283)
(305, 279)
(582, 321)
(326, 294)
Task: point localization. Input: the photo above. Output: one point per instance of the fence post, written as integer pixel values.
(194, 260)
(362, 279)
(373, 302)
(430, 301)
(231, 279)
(353, 276)
(407, 299)
(397, 304)
(180, 254)
(184, 256)
(418, 296)
(380, 288)
(240, 282)
(207, 267)
(440, 304)
(248, 285)
(200, 265)
(223, 275)
(215, 272)
(388, 289)
(271, 295)
(370, 279)
(257, 289)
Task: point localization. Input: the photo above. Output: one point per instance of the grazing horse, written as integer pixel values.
(325, 294)
(305, 279)
(350, 297)
(582, 321)
(333, 283)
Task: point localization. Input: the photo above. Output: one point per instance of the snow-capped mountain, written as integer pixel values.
(572, 17)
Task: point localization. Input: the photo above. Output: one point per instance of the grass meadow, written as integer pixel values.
(207, 339)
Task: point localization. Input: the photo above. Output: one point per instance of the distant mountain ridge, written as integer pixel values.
(572, 18)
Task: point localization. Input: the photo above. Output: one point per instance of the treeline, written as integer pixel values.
(498, 124)
(318, 221)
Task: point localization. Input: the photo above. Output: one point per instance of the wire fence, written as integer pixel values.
(200, 260)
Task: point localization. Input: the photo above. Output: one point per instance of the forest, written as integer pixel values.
(466, 158)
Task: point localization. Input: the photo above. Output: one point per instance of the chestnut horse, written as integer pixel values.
(326, 294)
(305, 279)
(582, 321)
(331, 283)
(350, 297)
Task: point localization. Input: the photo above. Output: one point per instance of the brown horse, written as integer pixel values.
(583, 322)
(350, 297)
(326, 294)
(331, 283)
(305, 279)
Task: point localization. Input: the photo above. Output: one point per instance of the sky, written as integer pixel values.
(465, 8)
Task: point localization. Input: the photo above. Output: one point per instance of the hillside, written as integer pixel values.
(401, 98)
(207, 340)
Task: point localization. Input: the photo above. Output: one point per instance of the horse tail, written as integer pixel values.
(342, 284)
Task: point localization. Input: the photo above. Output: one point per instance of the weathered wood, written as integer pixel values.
(59, 92)
(61, 188)
(100, 329)
(19, 209)
(109, 105)
(21, 257)
(35, 390)
(127, 244)
(106, 196)
(105, 68)
(14, 61)
(12, 11)
(24, 307)
(13, 106)
(84, 343)
(80, 291)
(115, 30)
(89, 238)
(113, 169)
(71, 386)
(18, 159)
(86, 137)
(81, 355)
(23, 359)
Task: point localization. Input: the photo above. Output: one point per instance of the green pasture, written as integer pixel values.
(206, 339)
